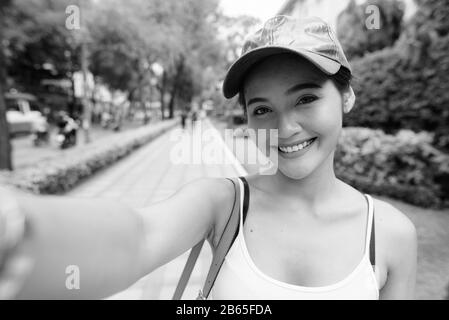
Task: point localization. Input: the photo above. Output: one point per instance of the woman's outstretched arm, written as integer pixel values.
(110, 244)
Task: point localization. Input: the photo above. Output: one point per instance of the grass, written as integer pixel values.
(433, 249)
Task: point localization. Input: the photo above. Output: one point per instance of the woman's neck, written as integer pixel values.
(319, 185)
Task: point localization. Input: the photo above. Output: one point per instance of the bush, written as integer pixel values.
(403, 166)
(61, 174)
(393, 93)
(356, 39)
(433, 13)
(407, 86)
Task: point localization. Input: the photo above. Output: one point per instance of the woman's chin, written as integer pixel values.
(295, 172)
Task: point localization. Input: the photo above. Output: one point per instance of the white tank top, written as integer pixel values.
(239, 278)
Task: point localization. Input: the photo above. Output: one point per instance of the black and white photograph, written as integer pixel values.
(251, 150)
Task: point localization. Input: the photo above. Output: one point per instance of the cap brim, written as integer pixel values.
(239, 68)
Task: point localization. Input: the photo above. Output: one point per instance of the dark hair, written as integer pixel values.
(342, 80)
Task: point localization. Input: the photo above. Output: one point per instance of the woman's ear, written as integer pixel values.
(348, 100)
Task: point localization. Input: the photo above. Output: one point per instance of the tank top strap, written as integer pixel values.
(242, 195)
(244, 199)
(370, 243)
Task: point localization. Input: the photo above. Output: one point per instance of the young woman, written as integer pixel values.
(307, 234)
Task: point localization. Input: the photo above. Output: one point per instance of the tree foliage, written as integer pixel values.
(407, 86)
(354, 34)
(128, 38)
(39, 45)
(5, 145)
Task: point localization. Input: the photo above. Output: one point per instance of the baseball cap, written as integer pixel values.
(311, 38)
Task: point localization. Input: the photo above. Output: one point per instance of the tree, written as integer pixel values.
(354, 35)
(406, 86)
(39, 44)
(5, 144)
(233, 31)
(192, 47)
(433, 13)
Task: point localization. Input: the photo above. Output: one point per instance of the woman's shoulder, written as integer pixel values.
(389, 219)
(393, 227)
(220, 194)
(396, 235)
(217, 190)
(395, 223)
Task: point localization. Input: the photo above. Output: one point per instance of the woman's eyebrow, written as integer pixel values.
(302, 86)
(254, 100)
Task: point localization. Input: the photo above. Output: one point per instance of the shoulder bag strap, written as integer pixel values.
(218, 256)
(188, 268)
(224, 245)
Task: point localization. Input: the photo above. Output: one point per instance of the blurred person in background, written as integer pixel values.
(194, 118)
(68, 130)
(183, 119)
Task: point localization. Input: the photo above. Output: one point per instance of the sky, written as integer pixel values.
(262, 9)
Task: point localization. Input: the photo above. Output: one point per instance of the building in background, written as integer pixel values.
(328, 10)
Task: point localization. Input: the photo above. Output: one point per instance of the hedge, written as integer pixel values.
(63, 173)
(407, 86)
(403, 166)
(394, 94)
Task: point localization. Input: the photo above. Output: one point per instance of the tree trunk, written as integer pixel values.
(174, 92)
(143, 105)
(162, 89)
(87, 106)
(5, 143)
(171, 105)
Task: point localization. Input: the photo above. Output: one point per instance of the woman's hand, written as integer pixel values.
(102, 240)
(15, 266)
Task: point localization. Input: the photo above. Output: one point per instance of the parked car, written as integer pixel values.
(23, 114)
(236, 117)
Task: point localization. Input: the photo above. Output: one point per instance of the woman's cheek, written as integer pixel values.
(328, 117)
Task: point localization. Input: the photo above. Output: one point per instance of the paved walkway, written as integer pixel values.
(24, 153)
(148, 176)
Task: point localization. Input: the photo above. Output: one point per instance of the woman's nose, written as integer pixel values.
(288, 126)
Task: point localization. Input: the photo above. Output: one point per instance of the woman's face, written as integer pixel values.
(290, 94)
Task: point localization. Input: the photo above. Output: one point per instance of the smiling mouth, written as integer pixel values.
(296, 148)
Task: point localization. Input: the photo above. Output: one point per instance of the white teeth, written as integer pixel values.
(296, 148)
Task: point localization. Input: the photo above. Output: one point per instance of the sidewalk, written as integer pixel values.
(24, 153)
(148, 176)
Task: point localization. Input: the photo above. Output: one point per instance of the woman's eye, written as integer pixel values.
(306, 99)
(261, 111)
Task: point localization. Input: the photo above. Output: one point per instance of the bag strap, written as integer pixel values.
(225, 243)
(188, 268)
(222, 249)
